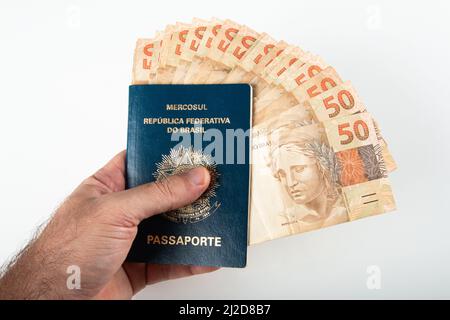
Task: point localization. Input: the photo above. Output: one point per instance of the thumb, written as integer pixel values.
(168, 194)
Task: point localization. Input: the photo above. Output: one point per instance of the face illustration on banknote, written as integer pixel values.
(299, 175)
(296, 162)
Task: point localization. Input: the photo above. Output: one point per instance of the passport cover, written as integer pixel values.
(213, 230)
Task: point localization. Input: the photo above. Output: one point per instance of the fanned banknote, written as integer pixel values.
(319, 157)
(322, 174)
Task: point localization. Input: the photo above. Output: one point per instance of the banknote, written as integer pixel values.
(262, 80)
(190, 45)
(321, 82)
(263, 50)
(146, 56)
(197, 57)
(254, 63)
(312, 176)
(276, 75)
(212, 66)
(163, 53)
(230, 54)
(170, 56)
(319, 157)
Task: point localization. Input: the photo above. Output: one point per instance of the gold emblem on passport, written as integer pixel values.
(180, 160)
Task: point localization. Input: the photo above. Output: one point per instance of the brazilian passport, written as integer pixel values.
(172, 129)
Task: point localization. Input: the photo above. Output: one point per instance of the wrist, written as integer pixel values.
(39, 273)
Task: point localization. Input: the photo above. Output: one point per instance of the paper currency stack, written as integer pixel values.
(318, 157)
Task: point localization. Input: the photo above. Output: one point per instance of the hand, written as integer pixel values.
(94, 229)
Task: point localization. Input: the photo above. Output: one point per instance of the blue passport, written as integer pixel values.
(171, 129)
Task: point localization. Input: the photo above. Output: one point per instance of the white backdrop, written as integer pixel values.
(65, 67)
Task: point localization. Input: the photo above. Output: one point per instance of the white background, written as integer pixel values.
(65, 67)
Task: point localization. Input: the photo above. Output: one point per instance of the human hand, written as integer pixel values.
(93, 230)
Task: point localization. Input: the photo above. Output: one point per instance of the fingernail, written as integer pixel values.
(197, 176)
